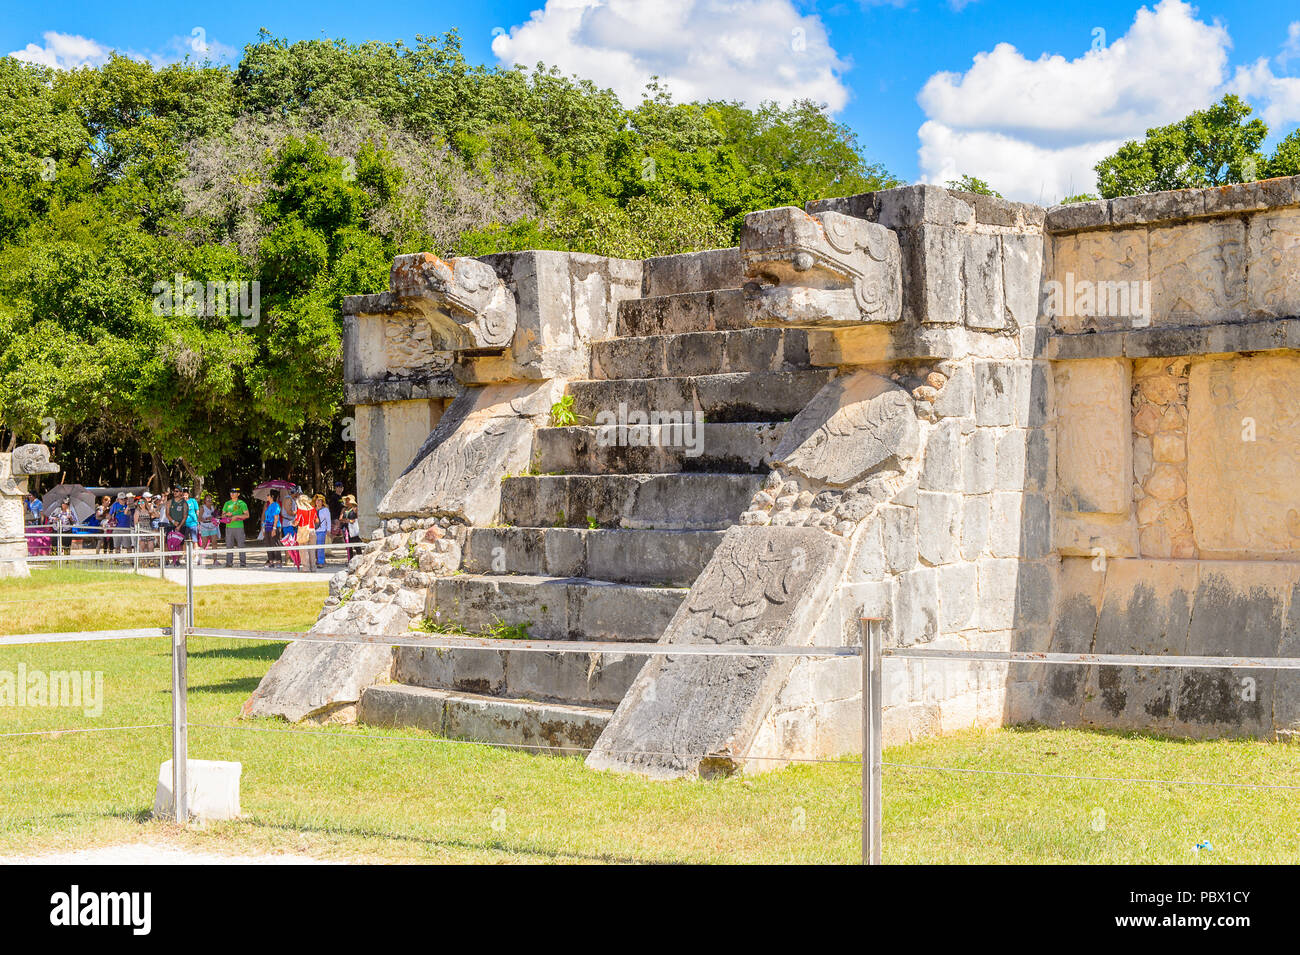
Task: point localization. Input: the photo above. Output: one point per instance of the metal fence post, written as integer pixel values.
(162, 554)
(189, 579)
(871, 735)
(180, 738)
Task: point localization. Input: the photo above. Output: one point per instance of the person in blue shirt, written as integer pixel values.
(191, 517)
(120, 520)
(271, 529)
(34, 507)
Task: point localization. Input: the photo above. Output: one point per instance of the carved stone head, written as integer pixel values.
(33, 459)
(466, 303)
(824, 269)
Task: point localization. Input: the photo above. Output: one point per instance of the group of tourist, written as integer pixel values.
(300, 523)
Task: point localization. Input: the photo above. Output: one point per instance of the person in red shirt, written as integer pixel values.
(305, 522)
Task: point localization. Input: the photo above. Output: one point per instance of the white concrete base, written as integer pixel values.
(213, 788)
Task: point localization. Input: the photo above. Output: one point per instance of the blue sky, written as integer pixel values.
(1027, 95)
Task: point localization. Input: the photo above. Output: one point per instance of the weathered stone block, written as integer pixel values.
(1243, 455)
(1273, 284)
(1198, 272)
(982, 277)
(938, 526)
(1093, 444)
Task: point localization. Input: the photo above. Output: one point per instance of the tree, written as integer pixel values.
(1211, 147)
(968, 183)
(1285, 160)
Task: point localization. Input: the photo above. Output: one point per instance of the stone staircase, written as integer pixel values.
(603, 539)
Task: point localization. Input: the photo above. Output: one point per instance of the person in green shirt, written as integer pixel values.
(233, 514)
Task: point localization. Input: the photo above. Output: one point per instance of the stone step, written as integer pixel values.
(585, 679)
(664, 501)
(554, 608)
(661, 558)
(701, 353)
(688, 311)
(754, 396)
(740, 447)
(692, 272)
(483, 719)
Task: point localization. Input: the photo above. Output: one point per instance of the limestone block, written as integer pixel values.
(942, 470)
(1198, 272)
(1005, 524)
(1242, 494)
(1010, 467)
(1093, 443)
(974, 526)
(935, 273)
(982, 277)
(938, 526)
(1273, 286)
(994, 395)
(1080, 262)
(958, 596)
(916, 608)
(827, 269)
(211, 790)
(388, 437)
(980, 461)
(899, 530)
(997, 602)
(1238, 608)
(1022, 267)
(1146, 609)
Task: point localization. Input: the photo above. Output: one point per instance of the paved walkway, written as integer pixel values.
(253, 574)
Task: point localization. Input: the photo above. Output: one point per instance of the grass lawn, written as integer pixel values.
(401, 795)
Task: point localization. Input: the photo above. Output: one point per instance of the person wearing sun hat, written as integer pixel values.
(304, 520)
(233, 514)
(323, 527)
(348, 521)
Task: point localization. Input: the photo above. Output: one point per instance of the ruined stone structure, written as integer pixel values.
(15, 468)
(996, 426)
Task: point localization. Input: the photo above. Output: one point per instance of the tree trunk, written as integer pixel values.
(315, 467)
(159, 472)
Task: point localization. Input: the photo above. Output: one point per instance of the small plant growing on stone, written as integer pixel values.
(592, 523)
(509, 631)
(562, 413)
(346, 596)
(406, 560)
(560, 519)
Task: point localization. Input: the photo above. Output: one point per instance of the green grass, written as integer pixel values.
(397, 795)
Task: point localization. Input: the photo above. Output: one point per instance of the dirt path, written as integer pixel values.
(145, 853)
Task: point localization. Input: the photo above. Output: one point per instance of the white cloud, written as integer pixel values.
(63, 51)
(1280, 94)
(748, 50)
(1035, 128)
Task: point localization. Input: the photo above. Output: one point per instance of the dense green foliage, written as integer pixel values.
(1211, 147)
(305, 169)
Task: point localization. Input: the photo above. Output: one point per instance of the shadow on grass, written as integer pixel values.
(240, 685)
(1125, 734)
(257, 651)
(491, 845)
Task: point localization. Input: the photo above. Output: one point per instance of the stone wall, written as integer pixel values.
(1177, 514)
